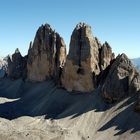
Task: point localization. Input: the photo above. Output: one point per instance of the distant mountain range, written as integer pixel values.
(136, 62)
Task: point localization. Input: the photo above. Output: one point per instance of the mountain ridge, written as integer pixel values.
(89, 63)
(87, 94)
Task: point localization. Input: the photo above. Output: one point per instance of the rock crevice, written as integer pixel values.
(86, 59)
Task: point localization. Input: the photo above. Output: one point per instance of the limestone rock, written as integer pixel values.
(98, 43)
(46, 56)
(82, 64)
(121, 81)
(106, 56)
(16, 65)
(60, 58)
(3, 68)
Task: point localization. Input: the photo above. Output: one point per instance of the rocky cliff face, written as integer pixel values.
(16, 65)
(3, 68)
(121, 81)
(46, 56)
(86, 59)
(106, 56)
(88, 66)
(82, 61)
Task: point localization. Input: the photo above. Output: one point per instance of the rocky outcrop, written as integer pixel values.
(106, 56)
(16, 65)
(87, 58)
(60, 58)
(121, 81)
(136, 89)
(89, 64)
(82, 64)
(46, 56)
(3, 68)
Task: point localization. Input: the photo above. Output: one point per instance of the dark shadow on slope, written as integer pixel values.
(37, 99)
(125, 120)
(10, 89)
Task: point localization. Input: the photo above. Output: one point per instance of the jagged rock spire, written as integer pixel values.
(105, 56)
(17, 50)
(121, 81)
(16, 65)
(47, 54)
(82, 61)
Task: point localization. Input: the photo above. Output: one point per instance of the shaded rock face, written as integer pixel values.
(16, 66)
(60, 58)
(46, 56)
(121, 81)
(136, 89)
(106, 56)
(3, 68)
(82, 64)
(137, 105)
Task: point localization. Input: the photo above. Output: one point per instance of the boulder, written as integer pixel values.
(16, 65)
(46, 56)
(82, 64)
(121, 81)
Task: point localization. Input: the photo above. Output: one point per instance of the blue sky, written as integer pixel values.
(114, 21)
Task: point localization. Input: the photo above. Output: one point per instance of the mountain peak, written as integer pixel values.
(17, 50)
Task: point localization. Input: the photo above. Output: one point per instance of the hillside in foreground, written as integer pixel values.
(43, 111)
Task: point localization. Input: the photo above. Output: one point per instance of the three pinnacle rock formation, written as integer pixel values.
(88, 65)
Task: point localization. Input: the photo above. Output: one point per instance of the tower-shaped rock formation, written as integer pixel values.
(46, 56)
(16, 65)
(105, 56)
(82, 64)
(122, 80)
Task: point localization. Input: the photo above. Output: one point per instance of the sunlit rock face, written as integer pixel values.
(46, 56)
(121, 81)
(82, 64)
